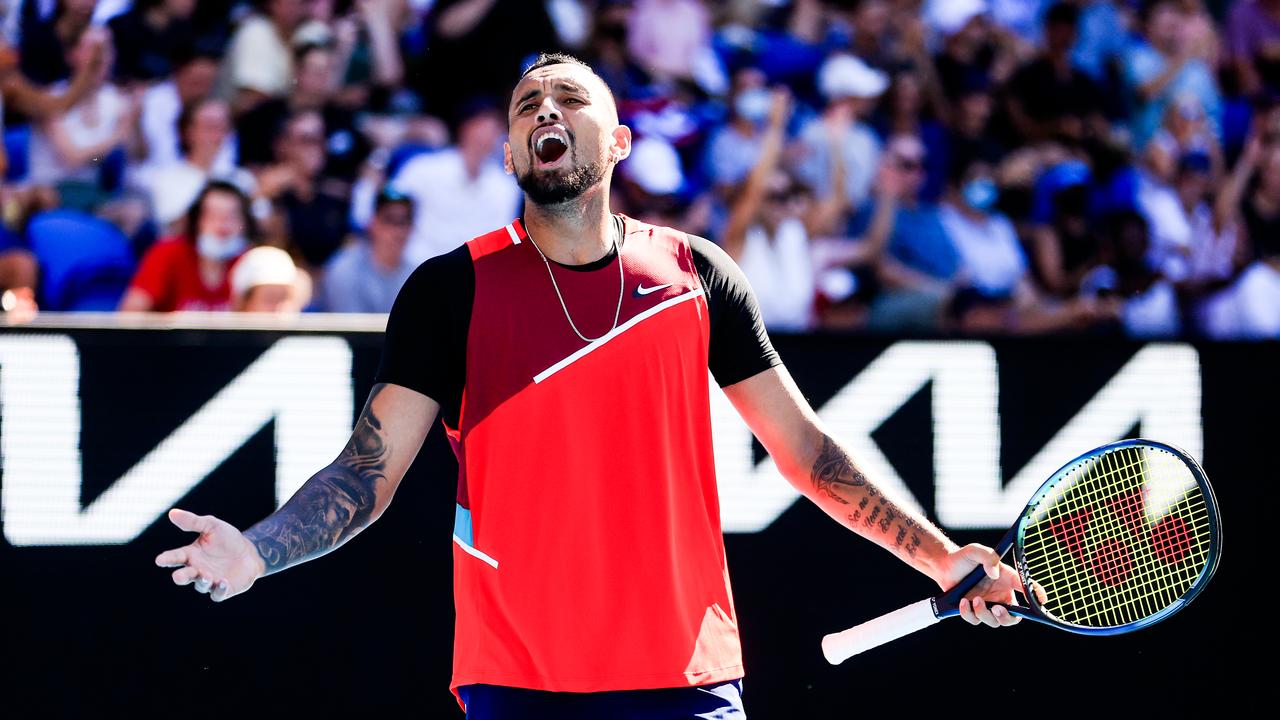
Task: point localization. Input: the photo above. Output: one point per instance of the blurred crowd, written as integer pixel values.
(909, 166)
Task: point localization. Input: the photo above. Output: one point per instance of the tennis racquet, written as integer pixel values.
(1119, 538)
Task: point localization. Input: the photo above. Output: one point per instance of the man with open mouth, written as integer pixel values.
(566, 354)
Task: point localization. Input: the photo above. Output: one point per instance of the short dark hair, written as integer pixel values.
(1062, 14)
(222, 186)
(558, 58)
(554, 58)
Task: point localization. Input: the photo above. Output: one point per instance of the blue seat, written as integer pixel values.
(85, 262)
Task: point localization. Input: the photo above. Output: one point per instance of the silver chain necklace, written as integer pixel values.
(617, 251)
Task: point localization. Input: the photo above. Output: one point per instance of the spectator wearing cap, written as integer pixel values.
(204, 128)
(193, 271)
(1162, 66)
(365, 276)
(150, 36)
(1048, 98)
(313, 206)
(966, 51)
(651, 187)
(259, 61)
(265, 280)
(458, 191)
(851, 89)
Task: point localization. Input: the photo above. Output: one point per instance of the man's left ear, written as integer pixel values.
(621, 147)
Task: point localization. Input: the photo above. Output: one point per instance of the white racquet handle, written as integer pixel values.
(841, 646)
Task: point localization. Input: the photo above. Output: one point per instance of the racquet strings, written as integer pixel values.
(1120, 537)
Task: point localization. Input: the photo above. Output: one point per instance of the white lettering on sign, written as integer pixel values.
(303, 384)
(1158, 388)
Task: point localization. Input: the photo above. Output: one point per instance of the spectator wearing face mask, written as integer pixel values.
(734, 148)
(265, 280)
(770, 225)
(192, 271)
(851, 89)
(365, 276)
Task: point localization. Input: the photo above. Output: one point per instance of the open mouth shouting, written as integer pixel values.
(550, 145)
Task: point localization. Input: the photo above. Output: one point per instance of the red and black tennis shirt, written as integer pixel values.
(588, 553)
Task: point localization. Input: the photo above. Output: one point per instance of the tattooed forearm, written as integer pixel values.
(870, 513)
(333, 505)
(834, 469)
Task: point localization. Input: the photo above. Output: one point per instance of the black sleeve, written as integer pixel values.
(740, 346)
(425, 348)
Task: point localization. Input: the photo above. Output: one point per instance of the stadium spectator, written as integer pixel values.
(365, 276)
(1148, 303)
(192, 271)
(1048, 98)
(150, 37)
(920, 262)
(265, 280)
(1165, 64)
(203, 127)
(313, 207)
(69, 150)
(459, 190)
(851, 89)
(193, 79)
(735, 146)
(1253, 45)
(772, 220)
(48, 42)
(259, 61)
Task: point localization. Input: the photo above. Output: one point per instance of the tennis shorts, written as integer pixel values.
(722, 701)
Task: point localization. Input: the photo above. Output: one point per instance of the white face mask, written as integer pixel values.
(212, 247)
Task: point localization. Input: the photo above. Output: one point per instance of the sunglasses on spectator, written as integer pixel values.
(909, 163)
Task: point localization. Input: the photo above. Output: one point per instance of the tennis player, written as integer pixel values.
(567, 354)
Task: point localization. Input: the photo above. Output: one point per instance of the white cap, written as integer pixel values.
(655, 166)
(263, 265)
(950, 16)
(846, 76)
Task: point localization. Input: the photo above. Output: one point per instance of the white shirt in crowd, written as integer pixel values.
(450, 207)
(991, 258)
(173, 186)
(781, 272)
(257, 59)
(1184, 245)
(161, 107)
(91, 121)
(1247, 310)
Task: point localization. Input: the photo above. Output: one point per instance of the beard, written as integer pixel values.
(553, 188)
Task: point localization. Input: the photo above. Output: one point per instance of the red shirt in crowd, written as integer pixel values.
(170, 274)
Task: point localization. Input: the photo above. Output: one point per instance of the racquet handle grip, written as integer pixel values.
(838, 647)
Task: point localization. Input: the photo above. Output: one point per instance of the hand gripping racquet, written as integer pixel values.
(1119, 538)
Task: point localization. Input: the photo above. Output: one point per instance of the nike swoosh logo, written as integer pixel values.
(641, 290)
